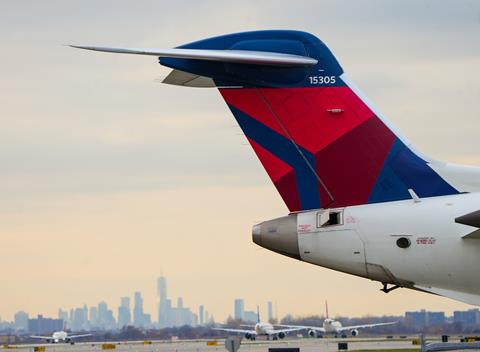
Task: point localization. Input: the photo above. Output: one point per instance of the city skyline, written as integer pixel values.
(151, 313)
(417, 320)
(102, 317)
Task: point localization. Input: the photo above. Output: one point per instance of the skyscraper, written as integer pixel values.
(102, 314)
(239, 309)
(201, 314)
(162, 288)
(21, 321)
(62, 314)
(270, 310)
(85, 312)
(163, 306)
(93, 314)
(138, 315)
(124, 315)
(79, 321)
(41, 325)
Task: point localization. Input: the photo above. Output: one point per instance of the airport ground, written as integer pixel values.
(305, 345)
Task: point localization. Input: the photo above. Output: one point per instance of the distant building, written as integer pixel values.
(93, 314)
(85, 313)
(41, 325)
(140, 319)
(250, 316)
(239, 308)
(124, 315)
(181, 315)
(62, 314)
(436, 318)
(201, 314)
(106, 320)
(270, 310)
(147, 320)
(21, 321)
(163, 308)
(423, 319)
(168, 310)
(468, 317)
(70, 317)
(79, 321)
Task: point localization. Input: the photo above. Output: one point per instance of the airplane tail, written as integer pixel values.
(258, 314)
(319, 139)
(326, 309)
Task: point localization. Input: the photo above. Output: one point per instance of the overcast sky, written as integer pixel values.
(109, 179)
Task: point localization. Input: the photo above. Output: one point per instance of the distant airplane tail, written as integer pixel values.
(258, 314)
(321, 142)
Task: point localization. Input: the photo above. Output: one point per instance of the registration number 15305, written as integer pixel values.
(322, 79)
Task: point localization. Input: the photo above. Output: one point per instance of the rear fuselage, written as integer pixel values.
(406, 243)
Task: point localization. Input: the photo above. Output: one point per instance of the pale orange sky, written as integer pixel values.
(109, 179)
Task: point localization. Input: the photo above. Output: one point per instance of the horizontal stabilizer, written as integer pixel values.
(471, 219)
(232, 56)
(186, 79)
(473, 235)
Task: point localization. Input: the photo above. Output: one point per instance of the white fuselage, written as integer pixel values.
(365, 240)
(264, 329)
(331, 326)
(59, 336)
(365, 244)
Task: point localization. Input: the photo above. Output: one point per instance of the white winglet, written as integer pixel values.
(233, 56)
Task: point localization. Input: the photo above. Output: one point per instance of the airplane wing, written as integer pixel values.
(77, 336)
(41, 337)
(304, 327)
(364, 326)
(239, 331)
(232, 56)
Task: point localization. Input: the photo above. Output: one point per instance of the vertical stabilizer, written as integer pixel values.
(321, 142)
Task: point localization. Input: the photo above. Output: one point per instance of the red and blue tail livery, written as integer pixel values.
(320, 141)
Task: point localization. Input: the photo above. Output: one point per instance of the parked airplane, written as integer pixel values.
(60, 336)
(362, 199)
(334, 327)
(261, 328)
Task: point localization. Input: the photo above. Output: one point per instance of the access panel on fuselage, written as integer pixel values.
(336, 246)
